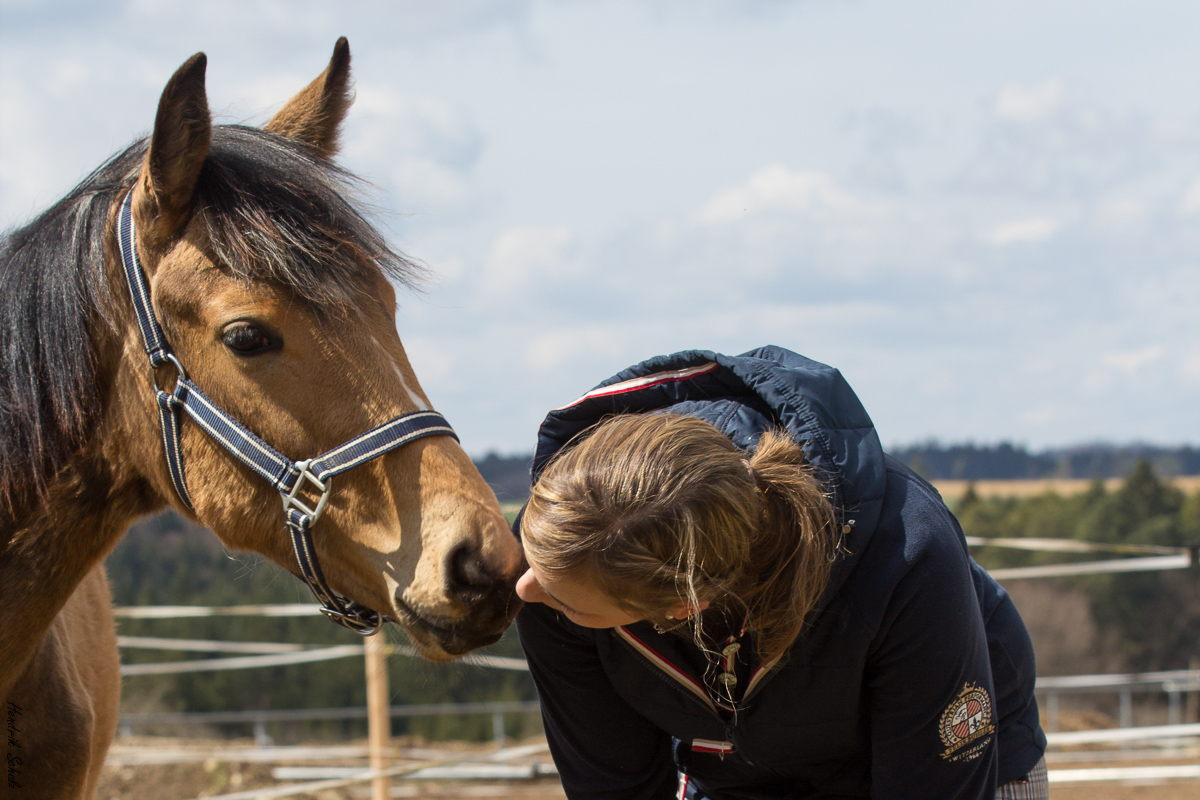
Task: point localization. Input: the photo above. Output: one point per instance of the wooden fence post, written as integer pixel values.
(379, 721)
(1193, 698)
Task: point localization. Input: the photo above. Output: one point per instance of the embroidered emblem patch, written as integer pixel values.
(967, 721)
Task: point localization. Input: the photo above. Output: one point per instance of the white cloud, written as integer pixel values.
(523, 257)
(1131, 361)
(1124, 214)
(547, 352)
(428, 126)
(422, 148)
(794, 229)
(1191, 365)
(426, 186)
(1117, 366)
(1022, 231)
(1018, 102)
(1054, 140)
(1189, 206)
(1040, 416)
(1040, 365)
(433, 362)
(779, 190)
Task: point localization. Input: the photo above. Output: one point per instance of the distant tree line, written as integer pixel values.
(1012, 462)
(509, 475)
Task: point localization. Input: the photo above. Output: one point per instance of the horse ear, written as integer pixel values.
(314, 116)
(178, 147)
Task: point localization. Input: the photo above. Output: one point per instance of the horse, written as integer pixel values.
(203, 303)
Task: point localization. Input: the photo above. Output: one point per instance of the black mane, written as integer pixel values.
(272, 211)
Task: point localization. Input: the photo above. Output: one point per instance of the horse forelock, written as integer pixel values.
(271, 211)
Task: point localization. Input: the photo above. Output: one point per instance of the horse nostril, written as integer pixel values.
(467, 576)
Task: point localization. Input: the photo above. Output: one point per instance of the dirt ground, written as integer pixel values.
(1177, 790)
(1163, 790)
(207, 768)
(186, 781)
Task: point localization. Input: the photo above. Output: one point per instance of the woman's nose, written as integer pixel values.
(528, 588)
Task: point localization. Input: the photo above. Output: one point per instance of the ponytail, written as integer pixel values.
(793, 547)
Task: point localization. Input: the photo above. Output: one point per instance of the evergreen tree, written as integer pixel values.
(1156, 615)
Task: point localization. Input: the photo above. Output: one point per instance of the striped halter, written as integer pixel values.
(289, 477)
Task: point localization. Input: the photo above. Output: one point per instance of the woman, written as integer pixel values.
(729, 580)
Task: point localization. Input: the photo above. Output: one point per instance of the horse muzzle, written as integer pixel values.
(476, 623)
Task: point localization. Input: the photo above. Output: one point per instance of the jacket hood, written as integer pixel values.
(743, 396)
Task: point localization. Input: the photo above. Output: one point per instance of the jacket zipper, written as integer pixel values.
(697, 690)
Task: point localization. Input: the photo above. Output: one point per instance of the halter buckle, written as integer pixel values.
(292, 500)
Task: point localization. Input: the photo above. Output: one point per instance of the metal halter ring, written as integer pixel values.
(180, 372)
(292, 500)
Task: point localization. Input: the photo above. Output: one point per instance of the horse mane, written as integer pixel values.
(272, 212)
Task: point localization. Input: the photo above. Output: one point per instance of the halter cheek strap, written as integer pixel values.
(289, 478)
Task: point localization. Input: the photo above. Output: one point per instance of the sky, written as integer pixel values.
(986, 215)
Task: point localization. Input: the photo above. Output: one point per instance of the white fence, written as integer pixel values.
(1147, 557)
(265, 654)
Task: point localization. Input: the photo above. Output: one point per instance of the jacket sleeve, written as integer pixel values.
(602, 747)
(928, 679)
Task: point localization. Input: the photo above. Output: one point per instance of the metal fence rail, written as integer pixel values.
(1166, 772)
(1148, 558)
(258, 719)
(273, 655)
(364, 776)
(1152, 733)
(303, 714)
(1141, 680)
(1175, 683)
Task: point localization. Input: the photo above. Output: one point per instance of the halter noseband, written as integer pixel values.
(289, 477)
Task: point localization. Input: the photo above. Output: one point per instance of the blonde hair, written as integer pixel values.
(662, 508)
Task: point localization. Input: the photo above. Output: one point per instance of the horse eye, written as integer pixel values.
(247, 340)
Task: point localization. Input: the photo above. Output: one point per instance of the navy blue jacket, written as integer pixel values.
(913, 679)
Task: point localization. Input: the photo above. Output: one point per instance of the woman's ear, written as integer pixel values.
(682, 610)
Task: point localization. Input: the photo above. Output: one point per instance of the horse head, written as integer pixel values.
(274, 294)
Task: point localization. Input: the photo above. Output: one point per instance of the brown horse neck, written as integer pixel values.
(47, 553)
